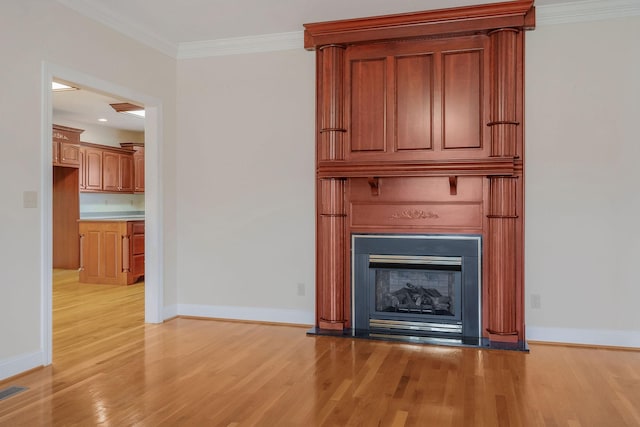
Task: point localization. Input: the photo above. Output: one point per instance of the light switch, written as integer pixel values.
(30, 199)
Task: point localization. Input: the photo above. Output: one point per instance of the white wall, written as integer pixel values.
(246, 186)
(582, 196)
(241, 194)
(33, 31)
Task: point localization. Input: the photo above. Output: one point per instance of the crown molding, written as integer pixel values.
(564, 13)
(121, 25)
(241, 45)
(586, 11)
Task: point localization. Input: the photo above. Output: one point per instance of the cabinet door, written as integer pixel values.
(82, 180)
(110, 171)
(69, 154)
(138, 171)
(93, 169)
(126, 173)
(101, 247)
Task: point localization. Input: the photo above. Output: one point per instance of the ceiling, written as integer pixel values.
(87, 106)
(168, 24)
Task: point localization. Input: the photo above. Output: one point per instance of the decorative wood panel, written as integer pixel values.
(462, 99)
(368, 105)
(414, 102)
(416, 215)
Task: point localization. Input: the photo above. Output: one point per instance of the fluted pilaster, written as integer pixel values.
(503, 283)
(330, 60)
(331, 253)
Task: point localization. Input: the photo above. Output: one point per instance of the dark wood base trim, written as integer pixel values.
(333, 325)
(510, 337)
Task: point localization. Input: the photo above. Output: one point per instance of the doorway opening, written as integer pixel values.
(150, 201)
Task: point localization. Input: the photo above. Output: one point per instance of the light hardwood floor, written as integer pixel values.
(111, 369)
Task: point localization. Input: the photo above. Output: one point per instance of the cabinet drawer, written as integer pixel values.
(137, 227)
(137, 242)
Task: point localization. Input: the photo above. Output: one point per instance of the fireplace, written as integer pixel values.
(420, 148)
(421, 286)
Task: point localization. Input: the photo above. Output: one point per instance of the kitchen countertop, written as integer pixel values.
(112, 216)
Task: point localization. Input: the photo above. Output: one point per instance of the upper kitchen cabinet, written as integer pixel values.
(106, 169)
(117, 171)
(90, 168)
(138, 164)
(66, 146)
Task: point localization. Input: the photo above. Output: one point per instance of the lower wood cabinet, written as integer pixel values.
(111, 252)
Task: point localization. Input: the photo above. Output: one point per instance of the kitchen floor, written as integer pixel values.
(85, 315)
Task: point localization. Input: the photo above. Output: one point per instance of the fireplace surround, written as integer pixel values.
(419, 131)
(417, 285)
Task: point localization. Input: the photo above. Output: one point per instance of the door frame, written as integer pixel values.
(154, 239)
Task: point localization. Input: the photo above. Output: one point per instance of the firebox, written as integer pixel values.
(417, 285)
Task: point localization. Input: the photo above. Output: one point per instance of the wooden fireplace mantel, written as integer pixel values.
(419, 122)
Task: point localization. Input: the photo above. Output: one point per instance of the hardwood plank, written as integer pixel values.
(111, 368)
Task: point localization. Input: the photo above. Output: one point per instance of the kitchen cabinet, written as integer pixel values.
(65, 203)
(138, 164)
(117, 171)
(66, 146)
(90, 169)
(111, 251)
(106, 169)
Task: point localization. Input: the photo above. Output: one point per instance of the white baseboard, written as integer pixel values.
(258, 314)
(598, 337)
(170, 311)
(19, 364)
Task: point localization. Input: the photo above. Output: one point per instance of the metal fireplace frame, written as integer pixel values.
(466, 246)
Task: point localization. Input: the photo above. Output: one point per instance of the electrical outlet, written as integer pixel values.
(301, 290)
(535, 301)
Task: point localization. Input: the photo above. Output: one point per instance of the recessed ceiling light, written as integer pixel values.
(57, 87)
(128, 108)
(103, 120)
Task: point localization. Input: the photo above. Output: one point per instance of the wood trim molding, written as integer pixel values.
(515, 14)
(503, 166)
